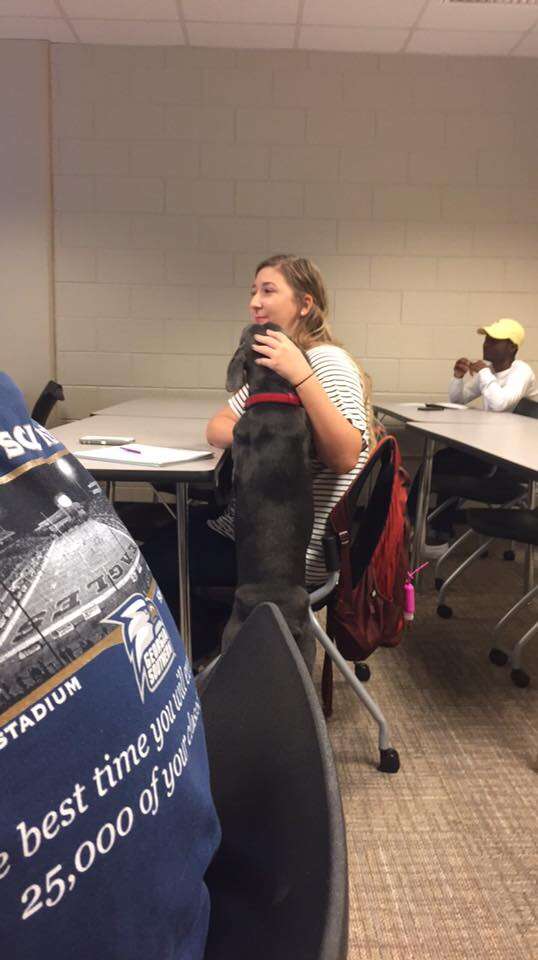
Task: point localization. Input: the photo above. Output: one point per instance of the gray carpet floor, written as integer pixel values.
(443, 856)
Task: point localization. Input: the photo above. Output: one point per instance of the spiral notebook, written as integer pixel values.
(143, 455)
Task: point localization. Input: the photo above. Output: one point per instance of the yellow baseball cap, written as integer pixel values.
(505, 329)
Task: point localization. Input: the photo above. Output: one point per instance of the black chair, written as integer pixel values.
(46, 401)
(521, 526)
(278, 883)
(504, 488)
(527, 408)
(369, 498)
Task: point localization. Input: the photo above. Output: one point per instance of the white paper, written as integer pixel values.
(142, 454)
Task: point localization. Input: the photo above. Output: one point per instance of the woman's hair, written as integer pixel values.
(303, 276)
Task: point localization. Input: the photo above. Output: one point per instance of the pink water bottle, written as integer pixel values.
(409, 601)
(409, 594)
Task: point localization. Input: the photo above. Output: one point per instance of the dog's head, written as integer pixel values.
(242, 367)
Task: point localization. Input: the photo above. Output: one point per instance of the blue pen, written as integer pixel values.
(132, 450)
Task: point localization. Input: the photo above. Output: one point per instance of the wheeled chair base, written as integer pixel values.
(500, 657)
(389, 758)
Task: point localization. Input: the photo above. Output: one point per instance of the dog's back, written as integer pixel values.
(274, 511)
(273, 493)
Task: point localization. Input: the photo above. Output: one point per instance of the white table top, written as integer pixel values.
(192, 404)
(165, 432)
(514, 447)
(410, 413)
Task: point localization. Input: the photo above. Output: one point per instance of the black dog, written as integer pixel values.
(273, 496)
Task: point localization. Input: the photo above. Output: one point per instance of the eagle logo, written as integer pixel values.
(146, 641)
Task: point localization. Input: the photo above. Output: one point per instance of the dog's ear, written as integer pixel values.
(236, 374)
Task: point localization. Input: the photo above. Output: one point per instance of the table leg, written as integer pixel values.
(529, 550)
(423, 499)
(182, 521)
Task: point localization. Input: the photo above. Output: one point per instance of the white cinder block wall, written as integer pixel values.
(26, 279)
(412, 181)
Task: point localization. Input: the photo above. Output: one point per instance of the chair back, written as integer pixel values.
(527, 408)
(278, 883)
(46, 402)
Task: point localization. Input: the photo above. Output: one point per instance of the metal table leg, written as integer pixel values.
(423, 499)
(182, 521)
(529, 551)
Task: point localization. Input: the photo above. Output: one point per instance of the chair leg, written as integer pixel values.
(453, 546)
(442, 609)
(389, 759)
(497, 654)
(158, 498)
(450, 502)
(513, 610)
(519, 676)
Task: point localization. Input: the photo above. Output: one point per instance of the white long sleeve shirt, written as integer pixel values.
(500, 391)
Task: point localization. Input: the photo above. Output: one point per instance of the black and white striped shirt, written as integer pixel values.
(341, 381)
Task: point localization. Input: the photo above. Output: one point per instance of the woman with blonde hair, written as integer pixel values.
(289, 291)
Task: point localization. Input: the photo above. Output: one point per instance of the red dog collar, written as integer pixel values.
(290, 398)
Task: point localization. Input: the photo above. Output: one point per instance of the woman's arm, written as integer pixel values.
(219, 431)
(338, 443)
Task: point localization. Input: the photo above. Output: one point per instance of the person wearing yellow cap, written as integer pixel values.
(502, 381)
(499, 377)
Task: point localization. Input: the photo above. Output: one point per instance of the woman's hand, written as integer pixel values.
(279, 353)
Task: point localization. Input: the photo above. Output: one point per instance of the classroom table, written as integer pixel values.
(410, 412)
(165, 432)
(192, 404)
(517, 447)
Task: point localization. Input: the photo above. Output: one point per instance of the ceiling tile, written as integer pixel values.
(461, 42)
(29, 8)
(129, 31)
(241, 11)
(352, 39)
(120, 9)
(374, 26)
(529, 46)
(240, 35)
(478, 16)
(362, 13)
(31, 28)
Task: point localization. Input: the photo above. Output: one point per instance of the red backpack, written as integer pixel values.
(365, 611)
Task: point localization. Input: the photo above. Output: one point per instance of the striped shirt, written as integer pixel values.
(341, 381)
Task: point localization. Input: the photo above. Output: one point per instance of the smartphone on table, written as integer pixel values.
(96, 441)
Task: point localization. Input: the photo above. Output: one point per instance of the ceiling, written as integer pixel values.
(453, 27)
